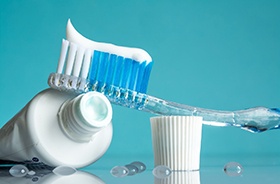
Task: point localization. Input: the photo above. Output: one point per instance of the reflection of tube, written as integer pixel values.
(59, 129)
(51, 178)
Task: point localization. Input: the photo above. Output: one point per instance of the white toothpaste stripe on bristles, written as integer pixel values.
(134, 53)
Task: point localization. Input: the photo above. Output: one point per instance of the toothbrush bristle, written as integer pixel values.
(63, 54)
(71, 59)
(126, 73)
(78, 62)
(100, 69)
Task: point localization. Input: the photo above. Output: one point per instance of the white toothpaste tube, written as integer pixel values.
(59, 128)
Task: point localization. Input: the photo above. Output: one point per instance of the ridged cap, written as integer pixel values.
(177, 141)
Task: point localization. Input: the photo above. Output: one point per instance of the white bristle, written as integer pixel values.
(62, 57)
(86, 63)
(71, 58)
(78, 62)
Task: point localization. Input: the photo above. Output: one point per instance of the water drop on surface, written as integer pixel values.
(18, 171)
(35, 159)
(31, 173)
(161, 171)
(119, 171)
(132, 169)
(140, 166)
(35, 179)
(64, 170)
(233, 169)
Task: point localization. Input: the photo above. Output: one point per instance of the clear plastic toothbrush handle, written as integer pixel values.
(256, 119)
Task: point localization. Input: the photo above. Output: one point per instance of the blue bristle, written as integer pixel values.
(126, 72)
(140, 75)
(133, 76)
(94, 67)
(110, 69)
(102, 68)
(118, 71)
(146, 77)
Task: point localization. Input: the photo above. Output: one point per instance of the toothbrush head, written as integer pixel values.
(85, 65)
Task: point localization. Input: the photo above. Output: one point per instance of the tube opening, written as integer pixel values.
(94, 109)
(85, 115)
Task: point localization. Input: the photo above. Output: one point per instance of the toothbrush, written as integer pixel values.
(122, 75)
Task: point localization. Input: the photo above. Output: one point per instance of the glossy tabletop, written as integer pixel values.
(99, 173)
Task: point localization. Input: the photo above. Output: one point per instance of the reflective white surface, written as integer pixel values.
(257, 171)
(207, 175)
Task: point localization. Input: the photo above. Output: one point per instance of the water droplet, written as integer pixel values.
(140, 166)
(64, 170)
(35, 179)
(233, 169)
(119, 171)
(132, 169)
(31, 173)
(161, 171)
(35, 159)
(18, 171)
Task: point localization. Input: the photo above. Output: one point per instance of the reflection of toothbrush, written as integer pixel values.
(122, 75)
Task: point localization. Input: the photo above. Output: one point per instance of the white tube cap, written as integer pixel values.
(177, 141)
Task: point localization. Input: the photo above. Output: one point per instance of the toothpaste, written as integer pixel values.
(136, 54)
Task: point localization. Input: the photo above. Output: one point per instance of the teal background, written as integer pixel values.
(212, 54)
